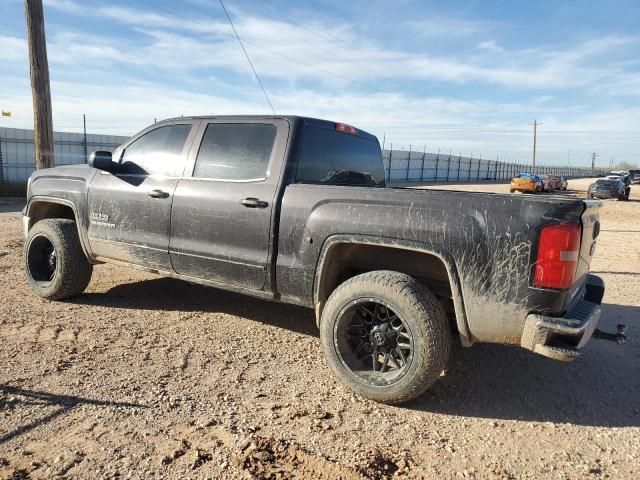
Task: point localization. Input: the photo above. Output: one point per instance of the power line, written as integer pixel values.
(286, 27)
(255, 45)
(342, 43)
(248, 59)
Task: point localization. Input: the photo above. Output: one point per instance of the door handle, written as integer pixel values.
(253, 203)
(157, 193)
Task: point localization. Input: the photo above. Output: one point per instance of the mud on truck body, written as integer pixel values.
(297, 210)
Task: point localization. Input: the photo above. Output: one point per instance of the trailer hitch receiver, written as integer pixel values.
(620, 337)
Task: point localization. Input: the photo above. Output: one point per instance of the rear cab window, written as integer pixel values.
(235, 152)
(332, 157)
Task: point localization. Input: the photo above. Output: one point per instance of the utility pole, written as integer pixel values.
(39, 70)
(593, 161)
(535, 132)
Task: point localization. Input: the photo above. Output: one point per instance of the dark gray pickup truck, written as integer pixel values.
(296, 210)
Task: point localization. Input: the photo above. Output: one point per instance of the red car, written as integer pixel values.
(551, 183)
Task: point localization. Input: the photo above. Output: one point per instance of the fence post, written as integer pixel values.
(390, 157)
(448, 165)
(1, 167)
(84, 128)
(437, 165)
(459, 161)
(408, 162)
(424, 153)
(479, 163)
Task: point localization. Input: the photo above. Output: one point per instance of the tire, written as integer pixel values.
(54, 262)
(511, 190)
(405, 301)
(627, 193)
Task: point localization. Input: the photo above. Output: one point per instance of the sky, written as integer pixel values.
(462, 76)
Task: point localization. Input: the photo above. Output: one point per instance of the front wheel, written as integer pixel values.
(54, 261)
(385, 336)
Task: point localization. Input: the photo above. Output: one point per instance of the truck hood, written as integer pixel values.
(58, 181)
(80, 171)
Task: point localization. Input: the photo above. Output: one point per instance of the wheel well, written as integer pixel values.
(347, 260)
(41, 210)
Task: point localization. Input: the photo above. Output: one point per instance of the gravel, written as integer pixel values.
(149, 377)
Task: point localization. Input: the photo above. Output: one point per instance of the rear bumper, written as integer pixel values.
(25, 225)
(604, 193)
(561, 338)
(523, 188)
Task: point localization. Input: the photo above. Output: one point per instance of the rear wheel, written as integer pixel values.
(511, 190)
(385, 336)
(54, 261)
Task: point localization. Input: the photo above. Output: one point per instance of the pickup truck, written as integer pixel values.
(297, 210)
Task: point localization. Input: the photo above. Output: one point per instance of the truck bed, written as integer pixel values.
(486, 241)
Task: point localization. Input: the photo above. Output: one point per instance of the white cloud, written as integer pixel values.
(12, 48)
(438, 123)
(448, 27)
(316, 75)
(184, 43)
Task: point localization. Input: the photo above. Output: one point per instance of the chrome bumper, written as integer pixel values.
(561, 338)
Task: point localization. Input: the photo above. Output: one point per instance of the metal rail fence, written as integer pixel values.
(17, 157)
(408, 166)
(17, 160)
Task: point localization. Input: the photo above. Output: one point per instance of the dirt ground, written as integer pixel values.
(148, 377)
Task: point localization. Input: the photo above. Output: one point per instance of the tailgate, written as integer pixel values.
(590, 231)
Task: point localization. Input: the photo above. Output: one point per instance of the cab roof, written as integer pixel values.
(294, 120)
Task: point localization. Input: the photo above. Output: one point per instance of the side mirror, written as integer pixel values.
(101, 160)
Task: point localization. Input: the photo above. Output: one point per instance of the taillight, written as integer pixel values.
(558, 252)
(344, 128)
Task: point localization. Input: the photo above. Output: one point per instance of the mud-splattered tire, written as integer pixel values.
(416, 311)
(54, 261)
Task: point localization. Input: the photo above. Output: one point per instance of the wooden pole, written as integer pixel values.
(39, 70)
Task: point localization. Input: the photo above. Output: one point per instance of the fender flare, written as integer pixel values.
(82, 233)
(456, 286)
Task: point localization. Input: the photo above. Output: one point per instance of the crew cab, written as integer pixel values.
(297, 210)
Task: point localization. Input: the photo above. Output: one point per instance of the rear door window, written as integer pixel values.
(331, 157)
(235, 151)
(157, 152)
